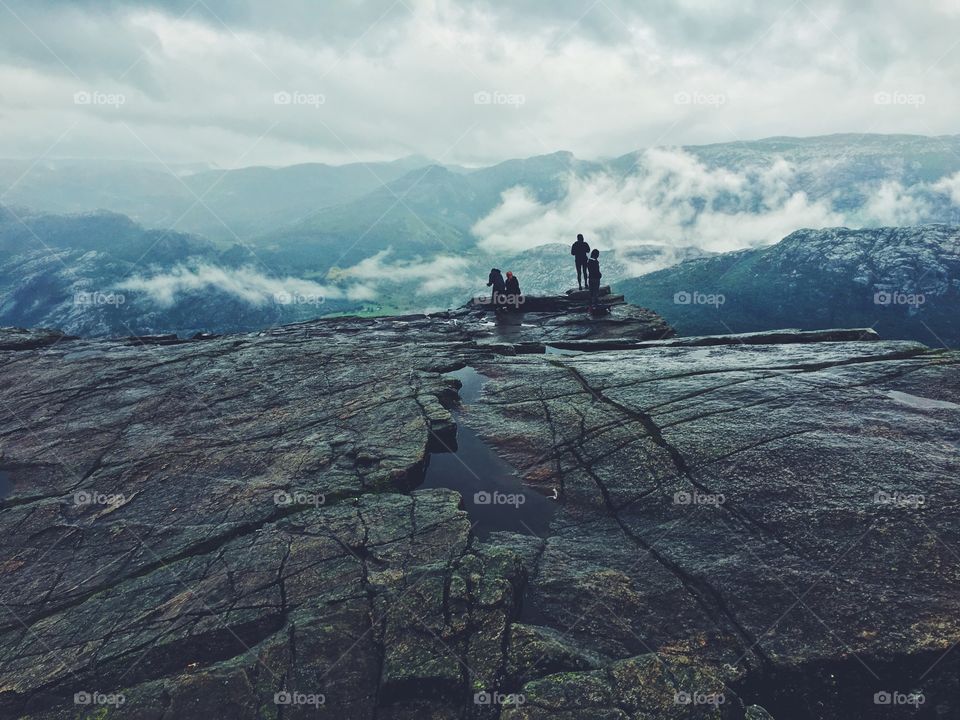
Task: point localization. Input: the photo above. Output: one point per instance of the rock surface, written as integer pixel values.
(231, 526)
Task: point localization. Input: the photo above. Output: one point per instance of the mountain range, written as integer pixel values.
(193, 248)
(903, 282)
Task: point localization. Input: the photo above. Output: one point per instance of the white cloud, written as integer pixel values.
(672, 200)
(599, 82)
(441, 273)
(361, 282)
(893, 204)
(246, 284)
(949, 186)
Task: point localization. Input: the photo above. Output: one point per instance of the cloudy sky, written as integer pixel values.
(242, 82)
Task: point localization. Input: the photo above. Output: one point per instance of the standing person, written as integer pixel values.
(593, 279)
(499, 287)
(580, 250)
(513, 290)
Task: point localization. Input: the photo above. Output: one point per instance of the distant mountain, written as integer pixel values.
(85, 274)
(101, 274)
(848, 168)
(904, 282)
(319, 210)
(429, 210)
(412, 235)
(221, 204)
(425, 212)
(862, 180)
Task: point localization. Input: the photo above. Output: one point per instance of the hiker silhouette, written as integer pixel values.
(497, 295)
(593, 280)
(580, 250)
(513, 290)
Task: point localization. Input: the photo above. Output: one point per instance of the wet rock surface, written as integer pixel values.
(550, 319)
(28, 339)
(232, 527)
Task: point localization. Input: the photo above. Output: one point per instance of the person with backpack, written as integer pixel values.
(513, 290)
(499, 288)
(580, 250)
(593, 279)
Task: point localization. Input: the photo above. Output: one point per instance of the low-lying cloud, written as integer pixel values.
(246, 284)
(361, 282)
(441, 273)
(673, 200)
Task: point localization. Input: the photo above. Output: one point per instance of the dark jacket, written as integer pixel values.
(580, 250)
(496, 280)
(593, 270)
(513, 286)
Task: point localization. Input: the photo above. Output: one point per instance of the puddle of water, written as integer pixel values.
(6, 484)
(921, 403)
(493, 495)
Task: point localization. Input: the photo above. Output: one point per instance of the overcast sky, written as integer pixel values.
(243, 82)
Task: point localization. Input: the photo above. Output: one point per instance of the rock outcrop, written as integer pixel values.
(233, 527)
